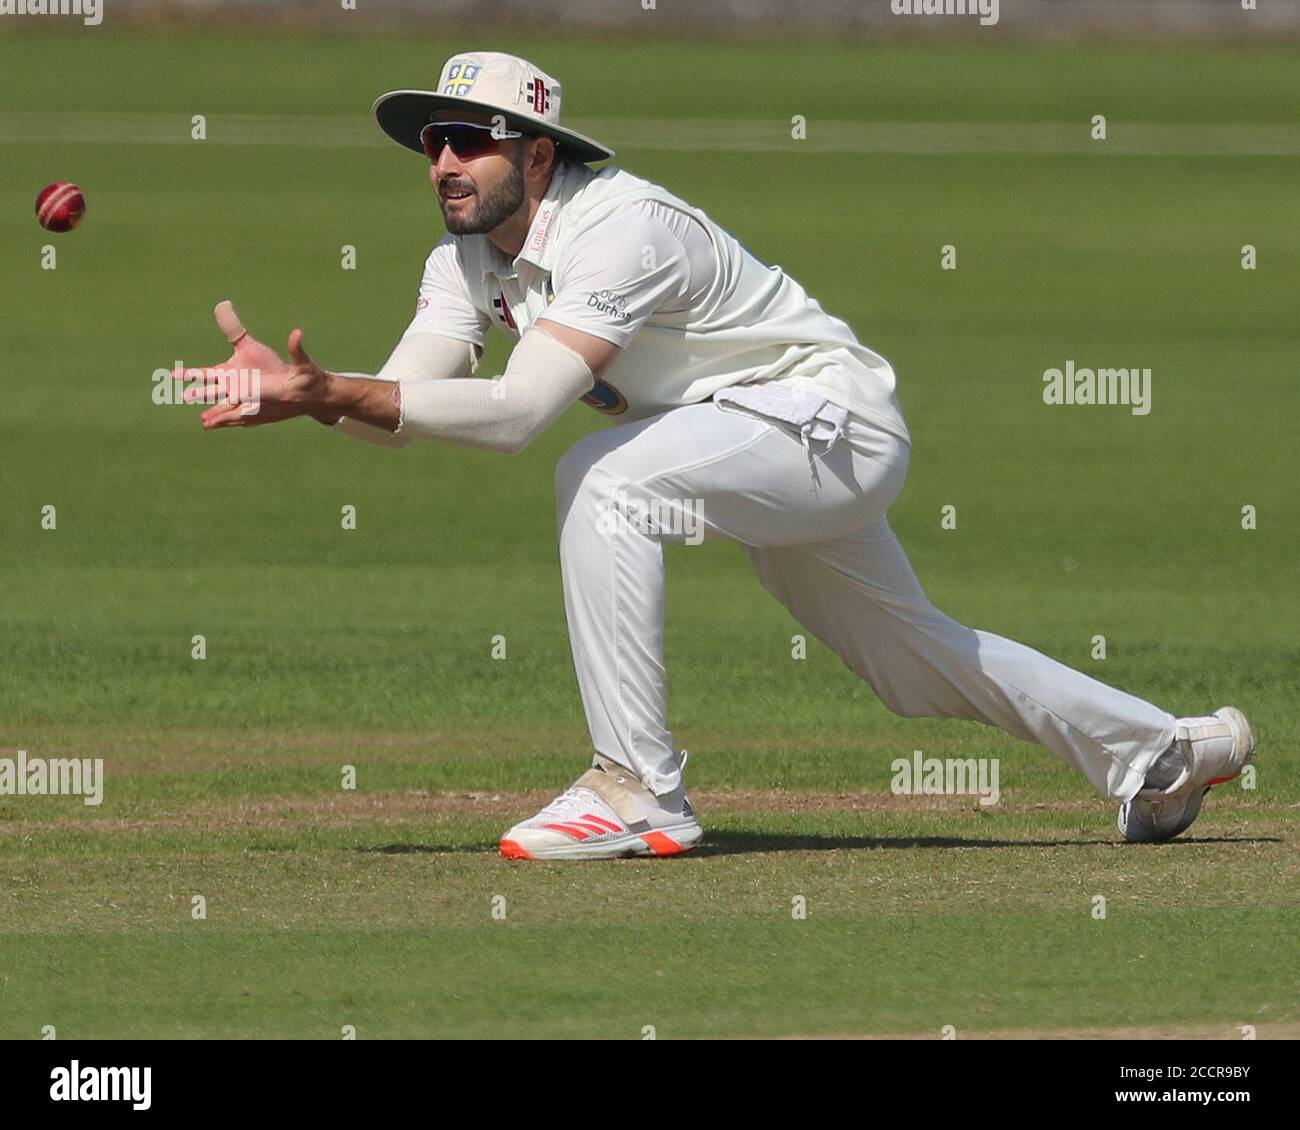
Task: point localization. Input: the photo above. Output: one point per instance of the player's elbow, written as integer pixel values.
(519, 441)
(519, 428)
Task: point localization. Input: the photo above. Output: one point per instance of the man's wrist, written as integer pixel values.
(335, 398)
(331, 406)
(367, 400)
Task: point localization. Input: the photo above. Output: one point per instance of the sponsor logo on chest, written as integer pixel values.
(517, 314)
(501, 309)
(541, 225)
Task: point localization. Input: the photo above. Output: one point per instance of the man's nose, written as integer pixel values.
(447, 164)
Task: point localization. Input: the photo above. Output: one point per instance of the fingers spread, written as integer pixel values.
(228, 321)
(224, 416)
(208, 386)
(205, 372)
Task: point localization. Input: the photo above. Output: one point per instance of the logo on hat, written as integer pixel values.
(540, 95)
(460, 78)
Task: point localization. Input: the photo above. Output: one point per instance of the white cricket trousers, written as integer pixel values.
(812, 522)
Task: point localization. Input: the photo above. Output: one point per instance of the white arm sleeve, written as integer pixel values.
(541, 380)
(418, 357)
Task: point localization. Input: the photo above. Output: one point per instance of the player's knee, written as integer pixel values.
(585, 484)
(892, 696)
(588, 467)
(896, 705)
(573, 468)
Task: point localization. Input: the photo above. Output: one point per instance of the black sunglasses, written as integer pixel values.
(467, 139)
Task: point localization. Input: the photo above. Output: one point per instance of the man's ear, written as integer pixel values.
(545, 156)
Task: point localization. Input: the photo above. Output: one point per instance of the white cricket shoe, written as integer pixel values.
(607, 814)
(1215, 749)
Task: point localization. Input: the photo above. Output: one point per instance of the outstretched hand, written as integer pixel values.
(255, 385)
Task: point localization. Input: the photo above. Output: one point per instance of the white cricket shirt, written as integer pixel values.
(625, 260)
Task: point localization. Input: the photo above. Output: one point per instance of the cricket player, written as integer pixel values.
(741, 410)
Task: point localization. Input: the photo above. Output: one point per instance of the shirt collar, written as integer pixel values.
(539, 244)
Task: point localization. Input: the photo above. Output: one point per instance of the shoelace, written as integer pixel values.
(556, 807)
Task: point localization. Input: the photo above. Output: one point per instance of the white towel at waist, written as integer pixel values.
(813, 416)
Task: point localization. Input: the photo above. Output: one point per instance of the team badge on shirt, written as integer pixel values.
(604, 397)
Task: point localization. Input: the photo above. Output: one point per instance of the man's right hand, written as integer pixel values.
(255, 385)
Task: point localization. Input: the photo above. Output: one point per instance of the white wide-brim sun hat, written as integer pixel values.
(526, 96)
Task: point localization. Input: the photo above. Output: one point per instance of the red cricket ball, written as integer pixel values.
(60, 206)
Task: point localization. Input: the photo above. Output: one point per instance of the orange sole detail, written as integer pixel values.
(662, 845)
(511, 850)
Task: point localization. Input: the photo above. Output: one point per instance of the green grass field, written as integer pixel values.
(371, 647)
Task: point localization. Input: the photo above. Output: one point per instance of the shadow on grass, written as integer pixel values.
(754, 843)
(737, 843)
